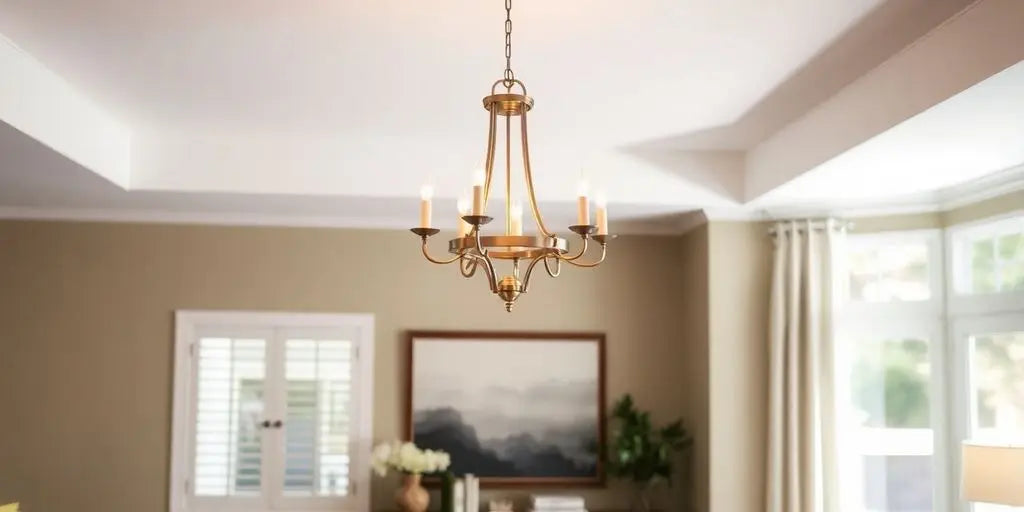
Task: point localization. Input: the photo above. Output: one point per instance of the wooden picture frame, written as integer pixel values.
(529, 421)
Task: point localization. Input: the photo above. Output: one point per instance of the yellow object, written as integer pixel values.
(12, 507)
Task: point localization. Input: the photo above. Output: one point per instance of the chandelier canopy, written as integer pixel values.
(470, 248)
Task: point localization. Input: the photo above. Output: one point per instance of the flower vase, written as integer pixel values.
(412, 497)
(642, 497)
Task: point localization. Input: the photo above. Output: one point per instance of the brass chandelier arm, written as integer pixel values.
(439, 262)
(558, 266)
(529, 180)
(482, 256)
(600, 260)
(489, 159)
(529, 270)
(492, 280)
(508, 175)
(468, 266)
(578, 255)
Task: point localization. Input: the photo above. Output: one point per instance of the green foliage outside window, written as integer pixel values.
(997, 264)
(890, 384)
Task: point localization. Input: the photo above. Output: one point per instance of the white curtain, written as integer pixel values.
(801, 441)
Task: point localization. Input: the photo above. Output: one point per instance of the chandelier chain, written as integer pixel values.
(510, 77)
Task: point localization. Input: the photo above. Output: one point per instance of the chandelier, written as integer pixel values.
(471, 249)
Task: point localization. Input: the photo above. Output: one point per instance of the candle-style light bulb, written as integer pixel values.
(479, 177)
(602, 213)
(516, 215)
(582, 203)
(583, 188)
(426, 193)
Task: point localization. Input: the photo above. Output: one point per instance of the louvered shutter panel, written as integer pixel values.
(229, 406)
(318, 409)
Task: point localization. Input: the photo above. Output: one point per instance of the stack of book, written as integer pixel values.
(543, 503)
(466, 494)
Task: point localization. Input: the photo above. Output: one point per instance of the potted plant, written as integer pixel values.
(413, 463)
(642, 454)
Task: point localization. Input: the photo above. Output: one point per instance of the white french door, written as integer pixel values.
(274, 419)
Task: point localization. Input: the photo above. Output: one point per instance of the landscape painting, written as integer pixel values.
(510, 408)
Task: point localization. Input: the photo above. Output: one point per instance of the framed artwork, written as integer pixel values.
(511, 408)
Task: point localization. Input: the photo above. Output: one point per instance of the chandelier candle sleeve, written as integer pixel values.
(583, 204)
(426, 193)
(478, 192)
(583, 211)
(602, 215)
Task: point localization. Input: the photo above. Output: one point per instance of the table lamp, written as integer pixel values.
(993, 474)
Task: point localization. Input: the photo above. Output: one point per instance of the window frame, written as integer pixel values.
(966, 313)
(189, 324)
(962, 302)
(962, 403)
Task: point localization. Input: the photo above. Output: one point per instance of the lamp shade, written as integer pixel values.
(993, 474)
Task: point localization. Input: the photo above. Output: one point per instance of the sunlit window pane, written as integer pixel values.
(890, 383)
(997, 379)
(992, 257)
(228, 445)
(319, 404)
(890, 444)
(890, 272)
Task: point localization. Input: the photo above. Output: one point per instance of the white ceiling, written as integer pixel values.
(336, 111)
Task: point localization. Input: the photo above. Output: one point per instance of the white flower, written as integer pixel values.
(443, 460)
(407, 458)
(380, 457)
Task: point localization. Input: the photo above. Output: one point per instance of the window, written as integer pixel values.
(271, 412)
(927, 356)
(889, 338)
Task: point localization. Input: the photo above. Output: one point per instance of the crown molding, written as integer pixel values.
(206, 218)
(999, 183)
(993, 185)
(980, 189)
(624, 227)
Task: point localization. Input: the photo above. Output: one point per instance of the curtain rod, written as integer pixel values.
(817, 225)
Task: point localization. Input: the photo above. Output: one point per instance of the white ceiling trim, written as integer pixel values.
(1003, 182)
(624, 227)
(974, 191)
(42, 105)
(985, 187)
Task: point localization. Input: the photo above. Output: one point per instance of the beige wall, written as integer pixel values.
(696, 359)
(727, 268)
(740, 265)
(988, 208)
(86, 315)
(999, 205)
